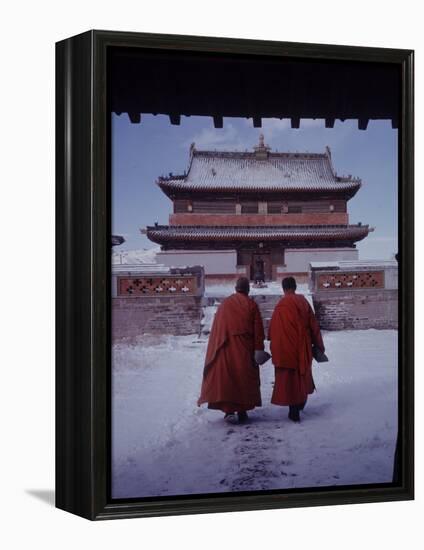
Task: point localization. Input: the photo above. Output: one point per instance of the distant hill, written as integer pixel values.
(140, 256)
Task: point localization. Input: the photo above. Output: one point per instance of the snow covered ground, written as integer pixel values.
(163, 444)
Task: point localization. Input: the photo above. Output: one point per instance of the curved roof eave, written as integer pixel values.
(163, 234)
(343, 187)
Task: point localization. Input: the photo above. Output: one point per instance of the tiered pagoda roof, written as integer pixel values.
(259, 171)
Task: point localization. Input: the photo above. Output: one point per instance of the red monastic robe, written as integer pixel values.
(231, 379)
(292, 331)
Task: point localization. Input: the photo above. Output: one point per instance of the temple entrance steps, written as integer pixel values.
(266, 303)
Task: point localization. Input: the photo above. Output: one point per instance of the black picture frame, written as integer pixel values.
(83, 273)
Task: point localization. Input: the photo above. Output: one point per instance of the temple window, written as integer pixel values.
(294, 209)
(249, 208)
(263, 208)
(275, 207)
(214, 207)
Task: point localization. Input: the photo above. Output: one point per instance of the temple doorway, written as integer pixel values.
(260, 267)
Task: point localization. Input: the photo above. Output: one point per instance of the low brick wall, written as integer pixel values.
(178, 315)
(355, 295)
(338, 310)
(215, 262)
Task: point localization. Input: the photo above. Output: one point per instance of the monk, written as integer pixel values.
(231, 378)
(293, 331)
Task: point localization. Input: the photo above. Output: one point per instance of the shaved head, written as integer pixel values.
(243, 285)
(289, 283)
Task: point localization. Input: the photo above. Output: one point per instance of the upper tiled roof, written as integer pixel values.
(261, 170)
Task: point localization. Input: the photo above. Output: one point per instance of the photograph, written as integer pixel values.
(235, 237)
(254, 304)
(219, 346)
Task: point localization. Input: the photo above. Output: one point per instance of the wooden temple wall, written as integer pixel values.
(310, 218)
(228, 206)
(223, 266)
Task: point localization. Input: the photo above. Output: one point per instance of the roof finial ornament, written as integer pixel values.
(261, 141)
(261, 150)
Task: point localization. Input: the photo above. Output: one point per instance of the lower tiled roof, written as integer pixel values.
(165, 233)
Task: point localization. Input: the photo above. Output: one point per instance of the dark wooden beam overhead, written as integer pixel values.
(257, 122)
(295, 122)
(257, 86)
(329, 122)
(218, 121)
(134, 117)
(362, 123)
(175, 119)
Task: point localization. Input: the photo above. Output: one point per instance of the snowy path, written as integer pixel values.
(163, 444)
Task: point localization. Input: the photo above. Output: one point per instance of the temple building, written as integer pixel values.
(240, 213)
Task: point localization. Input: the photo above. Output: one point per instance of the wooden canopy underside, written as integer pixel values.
(251, 86)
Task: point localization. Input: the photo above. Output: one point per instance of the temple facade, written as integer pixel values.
(244, 213)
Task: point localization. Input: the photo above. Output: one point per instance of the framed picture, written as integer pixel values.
(234, 275)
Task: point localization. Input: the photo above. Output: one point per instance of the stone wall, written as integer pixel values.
(215, 262)
(221, 265)
(178, 315)
(355, 295)
(298, 259)
(155, 299)
(357, 309)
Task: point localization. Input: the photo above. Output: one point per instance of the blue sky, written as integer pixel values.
(142, 152)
